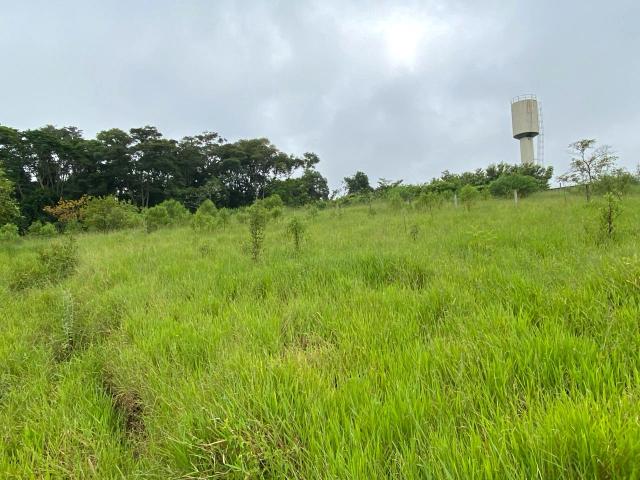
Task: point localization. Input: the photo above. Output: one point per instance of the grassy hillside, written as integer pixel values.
(498, 343)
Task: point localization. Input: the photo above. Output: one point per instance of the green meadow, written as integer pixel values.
(500, 342)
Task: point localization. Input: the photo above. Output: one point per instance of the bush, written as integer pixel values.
(156, 217)
(609, 212)
(506, 184)
(429, 201)
(40, 229)
(469, 196)
(396, 202)
(9, 232)
(296, 230)
(177, 212)
(54, 263)
(272, 201)
(618, 182)
(66, 211)
(205, 218)
(257, 224)
(104, 214)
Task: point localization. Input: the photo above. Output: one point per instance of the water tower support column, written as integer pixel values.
(526, 150)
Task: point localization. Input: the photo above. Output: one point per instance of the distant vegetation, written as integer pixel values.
(54, 180)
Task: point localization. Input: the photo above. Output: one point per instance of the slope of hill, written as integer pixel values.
(500, 342)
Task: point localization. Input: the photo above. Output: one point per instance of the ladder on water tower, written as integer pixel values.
(540, 152)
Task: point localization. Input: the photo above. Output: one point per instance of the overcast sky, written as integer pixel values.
(398, 89)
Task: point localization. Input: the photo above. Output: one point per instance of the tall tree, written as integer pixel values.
(153, 165)
(357, 184)
(9, 211)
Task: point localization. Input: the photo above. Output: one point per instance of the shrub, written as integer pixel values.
(59, 259)
(177, 213)
(205, 218)
(40, 229)
(429, 201)
(469, 196)
(609, 212)
(54, 263)
(208, 208)
(66, 211)
(396, 201)
(618, 182)
(272, 201)
(296, 230)
(257, 224)
(156, 217)
(104, 214)
(504, 185)
(9, 232)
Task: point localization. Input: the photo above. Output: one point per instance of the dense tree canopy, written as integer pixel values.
(142, 166)
(9, 211)
(357, 184)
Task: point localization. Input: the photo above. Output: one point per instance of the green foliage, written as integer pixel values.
(9, 233)
(618, 182)
(396, 202)
(9, 211)
(357, 184)
(469, 196)
(54, 263)
(312, 211)
(208, 208)
(104, 214)
(156, 217)
(177, 213)
(296, 230)
(588, 164)
(242, 216)
(429, 200)
(257, 224)
(272, 201)
(206, 217)
(52, 164)
(505, 185)
(39, 229)
(275, 213)
(310, 187)
(610, 210)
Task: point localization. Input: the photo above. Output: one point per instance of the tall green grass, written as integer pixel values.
(498, 343)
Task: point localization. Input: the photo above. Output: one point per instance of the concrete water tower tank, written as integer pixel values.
(526, 125)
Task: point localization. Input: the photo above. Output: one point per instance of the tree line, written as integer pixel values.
(497, 179)
(146, 168)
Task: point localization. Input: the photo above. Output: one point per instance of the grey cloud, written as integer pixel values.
(324, 76)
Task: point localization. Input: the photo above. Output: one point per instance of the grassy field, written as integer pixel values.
(498, 343)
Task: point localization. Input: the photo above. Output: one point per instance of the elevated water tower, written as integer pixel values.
(525, 120)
